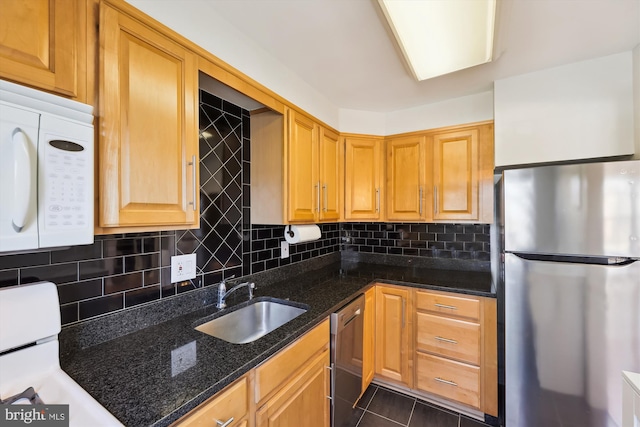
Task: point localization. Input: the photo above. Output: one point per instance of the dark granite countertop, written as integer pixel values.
(131, 376)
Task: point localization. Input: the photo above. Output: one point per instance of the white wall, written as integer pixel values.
(467, 109)
(219, 37)
(636, 98)
(577, 111)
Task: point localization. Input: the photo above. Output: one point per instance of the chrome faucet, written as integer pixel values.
(222, 292)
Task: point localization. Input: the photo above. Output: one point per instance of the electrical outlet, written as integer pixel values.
(183, 267)
(182, 358)
(284, 249)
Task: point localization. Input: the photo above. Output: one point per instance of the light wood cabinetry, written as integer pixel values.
(43, 43)
(364, 178)
(313, 159)
(455, 348)
(296, 174)
(303, 400)
(292, 387)
(393, 324)
(233, 405)
(462, 174)
(148, 139)
(441, 175)
(407, 164)
(369, 338)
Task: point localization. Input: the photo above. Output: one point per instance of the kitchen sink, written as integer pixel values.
(253, 321)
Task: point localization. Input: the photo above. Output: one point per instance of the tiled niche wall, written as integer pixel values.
(224, 191)
(462, 241)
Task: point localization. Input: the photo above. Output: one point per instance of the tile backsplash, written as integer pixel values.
(462, 241)
(122, 271)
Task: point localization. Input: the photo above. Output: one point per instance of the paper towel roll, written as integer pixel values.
(301, 233)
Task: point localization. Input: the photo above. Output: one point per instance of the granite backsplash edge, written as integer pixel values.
(111, 326)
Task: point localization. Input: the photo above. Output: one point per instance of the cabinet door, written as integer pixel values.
(302, 401)
(148, 154)
(406, 179)
(363, 178)
(303, 182)
(455, 175)
(329, 175)
(39, 43)
(233, 402)
(392, 334)
(368, 338)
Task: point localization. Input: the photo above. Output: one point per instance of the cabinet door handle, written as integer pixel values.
(446, 340)
(326, 197)
(193, 165)
(225, 423)
(435, 197)
(420, 195)
(377, 199)
(317, 186)
(440, 380)
(403, 310)
(450, 307)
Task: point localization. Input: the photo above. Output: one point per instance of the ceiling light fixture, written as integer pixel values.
(441, 36)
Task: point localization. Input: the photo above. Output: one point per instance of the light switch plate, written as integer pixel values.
(183, 267)
(284, 249)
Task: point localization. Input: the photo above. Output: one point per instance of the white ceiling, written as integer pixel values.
(342, 48)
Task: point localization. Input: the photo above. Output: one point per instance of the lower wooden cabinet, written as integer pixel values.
(231, 405)
(302, 401)
(438, 345)
(392, 334)
(456, 348)
(368, 338)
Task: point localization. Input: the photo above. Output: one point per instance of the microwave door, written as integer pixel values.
(18, 179)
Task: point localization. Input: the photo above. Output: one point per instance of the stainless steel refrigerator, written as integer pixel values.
(571, 287)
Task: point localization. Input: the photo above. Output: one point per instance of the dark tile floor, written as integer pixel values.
(380, 407)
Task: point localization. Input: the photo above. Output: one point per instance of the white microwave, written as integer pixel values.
(46, 170)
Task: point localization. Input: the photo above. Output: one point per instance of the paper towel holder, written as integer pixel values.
(290, 232)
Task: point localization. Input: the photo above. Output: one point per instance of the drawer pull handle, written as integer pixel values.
(447, 340)
(224, 424)
(450, 307)
(440, 380)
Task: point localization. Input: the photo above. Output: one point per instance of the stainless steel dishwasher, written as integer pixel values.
(346, 362)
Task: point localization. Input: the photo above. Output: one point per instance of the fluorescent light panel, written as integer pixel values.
(441, 36)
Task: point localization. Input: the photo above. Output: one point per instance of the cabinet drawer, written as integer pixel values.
(277, 369)
(457, 339)
(232, 402)
(453, 380)
(448, 304)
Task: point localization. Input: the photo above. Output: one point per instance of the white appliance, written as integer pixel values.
(46, 170)
(30, 370)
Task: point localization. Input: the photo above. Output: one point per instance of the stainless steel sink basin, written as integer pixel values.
(249, 323)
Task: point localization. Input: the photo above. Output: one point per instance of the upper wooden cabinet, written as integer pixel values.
(43, 44)
(296, 169)
(313, 159)
(148, 138)
(407, 164)
(442, 175)
(462, 174)
(329, 175)
(363, 179)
